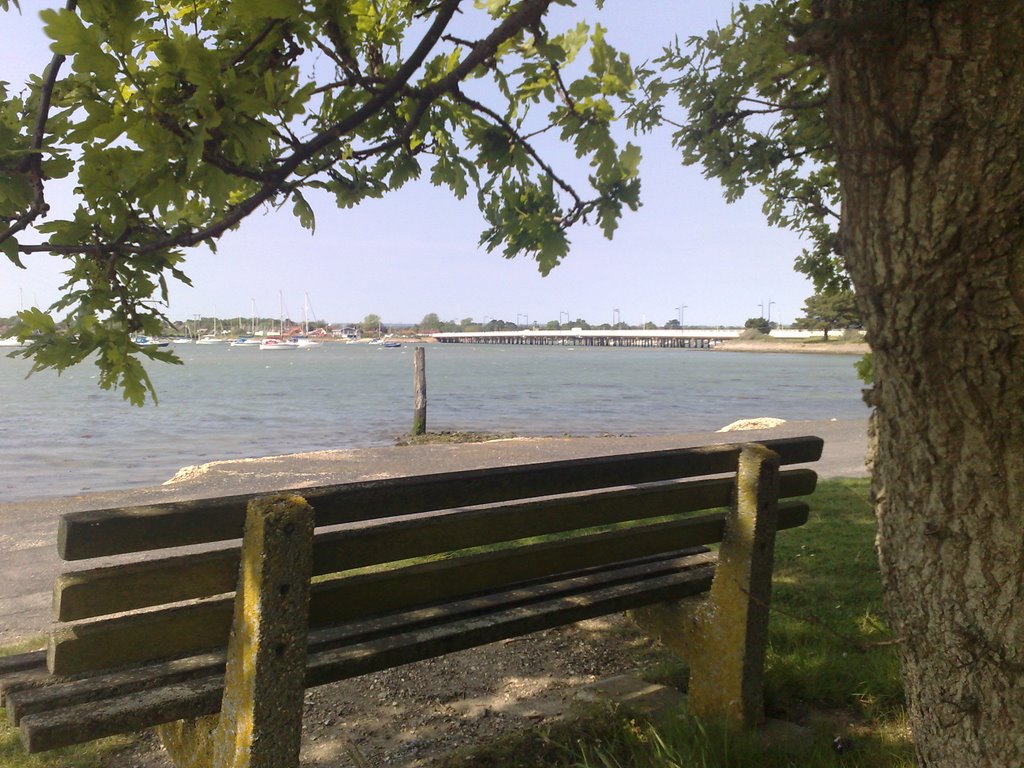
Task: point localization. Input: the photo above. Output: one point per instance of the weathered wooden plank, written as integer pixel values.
(26, 678)
(395, 649)
(39, 695)
(134, 711)
(126, 587)
(97, 533)
(103, 643)
(51, 692)
(20, 661)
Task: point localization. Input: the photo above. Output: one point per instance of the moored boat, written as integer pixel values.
(277, 344)
(146, 341)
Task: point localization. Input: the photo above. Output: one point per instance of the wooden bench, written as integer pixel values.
(371, 575)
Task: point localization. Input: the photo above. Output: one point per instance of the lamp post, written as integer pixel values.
(770, 302)
(519, 314)
(680, 309)
(567, 318)
(616, 317)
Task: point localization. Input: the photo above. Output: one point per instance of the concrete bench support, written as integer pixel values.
(724, 637)
(260, 722)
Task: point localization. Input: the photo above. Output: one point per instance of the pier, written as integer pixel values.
(699, 338)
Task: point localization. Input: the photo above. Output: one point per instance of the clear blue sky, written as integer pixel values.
(415, 251)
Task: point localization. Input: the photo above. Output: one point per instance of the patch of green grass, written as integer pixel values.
(828, 644)
(32, 644)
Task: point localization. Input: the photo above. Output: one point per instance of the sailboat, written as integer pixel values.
(304, 341)
(212, 338)
(279, 343)
(250, 340)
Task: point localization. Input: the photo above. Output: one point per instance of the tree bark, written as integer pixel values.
(927, 109)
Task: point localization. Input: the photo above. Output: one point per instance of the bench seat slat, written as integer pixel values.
(404, 644)
(119, 588)
(98, 533)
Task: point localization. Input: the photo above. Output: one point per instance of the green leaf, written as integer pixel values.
(9, 247)
(303, 211)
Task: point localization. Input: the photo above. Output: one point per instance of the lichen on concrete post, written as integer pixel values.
(724, 636)
(260, 722)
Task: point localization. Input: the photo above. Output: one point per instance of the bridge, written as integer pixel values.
(698, 338)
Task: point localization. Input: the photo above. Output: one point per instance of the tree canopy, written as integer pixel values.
(174, 121)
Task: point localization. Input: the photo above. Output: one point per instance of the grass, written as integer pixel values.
(831, 667)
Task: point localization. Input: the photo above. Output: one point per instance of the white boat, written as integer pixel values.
(10, 343)
(304, 342)
(278, 344)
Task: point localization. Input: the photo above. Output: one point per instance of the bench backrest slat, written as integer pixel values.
(126, 587)
(190, 628)
(99, 533)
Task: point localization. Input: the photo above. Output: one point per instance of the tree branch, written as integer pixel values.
(275, 182)
(32, 165)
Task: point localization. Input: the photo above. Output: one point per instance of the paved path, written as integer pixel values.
(29, 562)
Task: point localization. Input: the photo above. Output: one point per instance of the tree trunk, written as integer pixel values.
(927, 109)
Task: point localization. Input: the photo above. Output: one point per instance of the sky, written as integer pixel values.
(415, 251)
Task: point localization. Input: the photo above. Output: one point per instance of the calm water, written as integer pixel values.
(61, 436)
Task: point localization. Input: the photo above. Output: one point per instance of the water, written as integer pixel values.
(64, 435)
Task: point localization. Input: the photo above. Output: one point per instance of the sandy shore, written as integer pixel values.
(800, 347)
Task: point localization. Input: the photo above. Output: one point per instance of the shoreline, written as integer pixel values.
(796, 347)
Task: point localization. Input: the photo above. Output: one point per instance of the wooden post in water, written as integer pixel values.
(419, 373)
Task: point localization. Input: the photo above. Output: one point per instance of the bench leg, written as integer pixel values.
(260, 722)
(724, 637)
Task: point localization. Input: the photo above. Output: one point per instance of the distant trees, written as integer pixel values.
(672, 325)
(829, 311)
(430, 322)
(761, 324)
(371, 324)
(499, 325)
